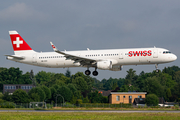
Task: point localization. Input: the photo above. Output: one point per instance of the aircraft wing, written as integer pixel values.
(15, 56)
(82, 60)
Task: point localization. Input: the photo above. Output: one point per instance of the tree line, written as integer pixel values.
(76, 89)
(79, 88)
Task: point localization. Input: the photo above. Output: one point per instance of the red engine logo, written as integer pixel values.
(140, 53)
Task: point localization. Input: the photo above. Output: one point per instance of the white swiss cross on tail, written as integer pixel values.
(17, 42)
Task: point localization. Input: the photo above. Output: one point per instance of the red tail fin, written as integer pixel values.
(18, 42)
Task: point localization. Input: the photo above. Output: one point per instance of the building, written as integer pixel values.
(125, 97)
(13, 87)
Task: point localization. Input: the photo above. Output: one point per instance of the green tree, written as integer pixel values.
(47, 92)
(168, 93)
(80, 83)
(7, 97)
(171, 70)
(104, 99)
(153, 86)
(130, 76)
(43, 77)
(152, 99)
(95, 97)
(57, 79)
(32, 77)
(56, 87)
(53, 93)
(34, 97)
(72, 88)
(37, 91)
(88, 82)
(114, 86)
(20, 96)
(77, 94)
(124, 88)
(65, 92)
(177, 76)
(85, 100)
(73, 100)
(68, 73)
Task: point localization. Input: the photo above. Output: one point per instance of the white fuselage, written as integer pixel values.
(136, 56)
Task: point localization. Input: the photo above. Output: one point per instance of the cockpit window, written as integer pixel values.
(166, 52)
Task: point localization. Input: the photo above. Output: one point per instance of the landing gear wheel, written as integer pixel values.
(157, 70)
(95, 73)
(87, 72)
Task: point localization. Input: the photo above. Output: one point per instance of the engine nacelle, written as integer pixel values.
(116, 68)
(104, 65)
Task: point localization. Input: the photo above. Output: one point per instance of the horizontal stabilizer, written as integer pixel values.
(14, 56)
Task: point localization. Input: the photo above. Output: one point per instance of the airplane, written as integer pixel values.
(107, 59)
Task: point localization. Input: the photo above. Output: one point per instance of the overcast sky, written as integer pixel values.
(94, 24)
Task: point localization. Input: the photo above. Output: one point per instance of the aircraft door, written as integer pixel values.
(121, 55)
(34, 60)
(155, 53)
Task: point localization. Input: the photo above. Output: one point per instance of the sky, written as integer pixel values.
(94, 24)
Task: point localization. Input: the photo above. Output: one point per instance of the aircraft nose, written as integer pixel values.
(174, 57)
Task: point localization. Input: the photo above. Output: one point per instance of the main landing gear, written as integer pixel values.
(88, 72)
(156, 66)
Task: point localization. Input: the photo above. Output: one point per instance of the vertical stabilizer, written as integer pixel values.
(19, 44)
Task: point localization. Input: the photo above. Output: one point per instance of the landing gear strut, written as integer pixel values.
(157, 70)
(95, 73)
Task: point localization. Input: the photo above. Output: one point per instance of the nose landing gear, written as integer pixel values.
(156, 66)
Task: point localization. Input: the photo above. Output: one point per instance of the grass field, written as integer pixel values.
(87, 116)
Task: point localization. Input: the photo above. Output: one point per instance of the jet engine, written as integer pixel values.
(104, 65)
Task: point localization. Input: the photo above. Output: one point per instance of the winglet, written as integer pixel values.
(56, 50)
(54, 47)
